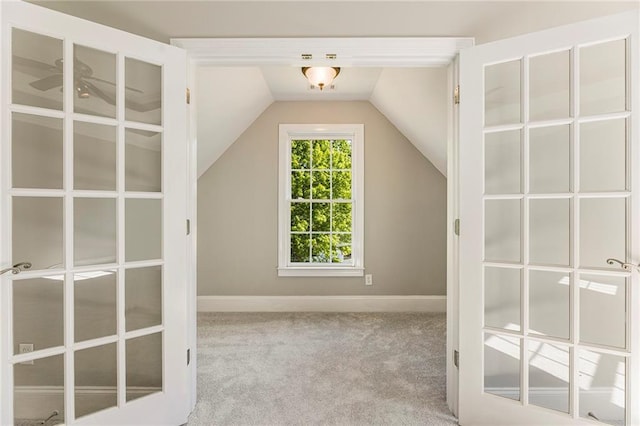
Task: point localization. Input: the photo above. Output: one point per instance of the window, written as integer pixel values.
(321, 217)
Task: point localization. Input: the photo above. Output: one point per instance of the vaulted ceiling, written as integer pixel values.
(229, 99)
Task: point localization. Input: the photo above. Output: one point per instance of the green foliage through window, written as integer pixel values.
(321, 205)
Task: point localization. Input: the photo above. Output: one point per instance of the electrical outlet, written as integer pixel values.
(25, 348)
(368, 279)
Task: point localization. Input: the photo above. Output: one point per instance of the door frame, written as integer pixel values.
(357, 52)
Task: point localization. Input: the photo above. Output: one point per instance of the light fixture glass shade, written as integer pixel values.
(320, 76)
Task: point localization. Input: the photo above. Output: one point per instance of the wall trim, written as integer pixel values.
(322, 303)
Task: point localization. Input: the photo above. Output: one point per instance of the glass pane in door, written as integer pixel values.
(38, 316)
(94, 230)
(46, 375)
(602, 293)
(502, 365)
(603, 156)
(549, 160)
(502, 156)
(549, 229)
(549, 303)
(549, 375)
(96, 379)
(143, 297)
(549, 86)
(37, 231)
(95, 313)
(143, 94)
(603, 231)
(94, 156)
(143, 227)
(503, 230)
(144, 366)
(36, 151)
(37, 73)
(502, 297)
(602, 391)
(603, 69)
(94, 74)
(502, 93)
(143, 161)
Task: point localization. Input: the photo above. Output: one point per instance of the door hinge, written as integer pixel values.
(456, 359)
(188, 96)
(188, 356)
(188, 226)
(456, 95)
(456, 227)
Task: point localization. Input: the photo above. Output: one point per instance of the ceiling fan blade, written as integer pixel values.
(47, 82)
(19, 60)
(99, 93)
(113, 84)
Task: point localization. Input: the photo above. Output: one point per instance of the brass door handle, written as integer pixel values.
(17, 268)
(626, 266)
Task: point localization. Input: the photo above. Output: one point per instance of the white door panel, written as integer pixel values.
(93, 171)
(549, 192)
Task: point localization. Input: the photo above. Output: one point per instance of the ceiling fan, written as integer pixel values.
(82, 76)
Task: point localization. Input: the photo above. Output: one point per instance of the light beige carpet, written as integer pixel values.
(321, 369)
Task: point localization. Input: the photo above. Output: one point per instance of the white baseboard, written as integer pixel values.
(322, 303)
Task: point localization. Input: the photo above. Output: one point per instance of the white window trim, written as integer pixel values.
(355, 132)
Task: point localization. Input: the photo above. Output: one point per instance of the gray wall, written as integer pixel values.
(405, 211)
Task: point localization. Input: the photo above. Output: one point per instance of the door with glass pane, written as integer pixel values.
(550, 298)
(93, 177)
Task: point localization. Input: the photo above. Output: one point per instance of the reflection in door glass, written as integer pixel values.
(94, 156)
(602, 387)
(94, 74)
(601, 293)
(144, 366)
(94, 297)
(37, 231)
(143, 98)
(549, 375)
(603, 74)
(502, 94)
(29, 407)
(36, 151)
(95, 369)
(143, 160)
(38, 317)
(502, 366)
(37, 72)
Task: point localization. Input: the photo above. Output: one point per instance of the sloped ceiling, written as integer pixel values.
(229, 99)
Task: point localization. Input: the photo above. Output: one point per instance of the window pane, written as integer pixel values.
(341, 217)
(603, 156)
(143, 297)
(549, 375)
(300, 216)
(341, 154)
(602, 386)
(549, 86)
(94, 230)
(321, 155)
(44, 380)
(143, 229)
(95, 368)
(300, 185)
(341, 185)
(300, 248)
(502, 230)
(300, 154)
(341, 248)
(549, 159)
(320, 216)
(549, 302)
(94, 304)
(502, 298)
(601, 293)
(321, 246)
(321, 185)
(549, 228)
(144, 365)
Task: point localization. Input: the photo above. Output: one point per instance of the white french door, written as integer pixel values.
(93, 168)
(549, 206)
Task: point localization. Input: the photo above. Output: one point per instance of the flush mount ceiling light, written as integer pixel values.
(320, 76)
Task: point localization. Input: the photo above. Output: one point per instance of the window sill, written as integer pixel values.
(304, 271)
